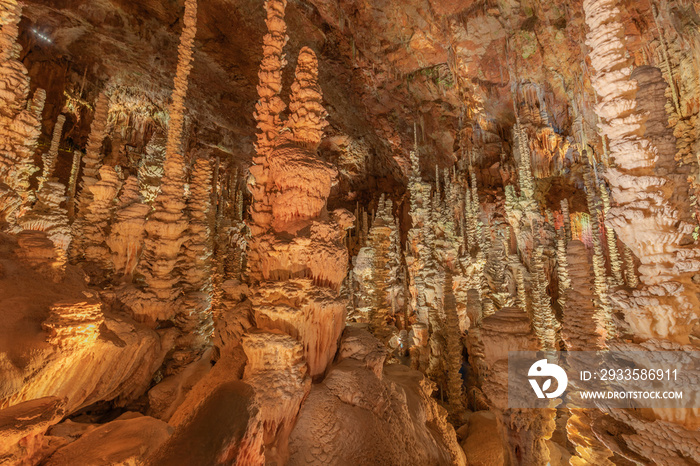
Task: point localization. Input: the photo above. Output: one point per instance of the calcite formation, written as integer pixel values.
(49, 159)
(166, 227)
(127, 231)
(523, 177)
(48, 216)
(20, 120)
(376, 273)
(92, 160)
(197, 273)
(268, 112)
(646, 217)
(151, 168)
(523, 431)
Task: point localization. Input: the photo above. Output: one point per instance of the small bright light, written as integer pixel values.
(41, 36)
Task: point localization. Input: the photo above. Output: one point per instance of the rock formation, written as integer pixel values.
(524, 177)
(644, 217)
(20, 120)
(196, 317)
(166, 227)
(49, 159)
(151, 168)
(127, 232)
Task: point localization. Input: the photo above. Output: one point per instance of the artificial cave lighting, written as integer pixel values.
(418, 232)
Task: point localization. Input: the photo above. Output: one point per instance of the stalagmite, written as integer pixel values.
(307, 116)
(567, 218)
(127, 232)
(93, 152)
(268, 112)
(613, 252)
(644, 216)
(49, 159)
(73, 183)
(151, 168)
(20, 120)
(544, 322)
(376, 273)
(630, 274)
(453, 346)
(196, 318)
(524, 431)
(648, 219)
(47, 215)
(601, 285)
(92, 230)
(167, 225)
(524, 177)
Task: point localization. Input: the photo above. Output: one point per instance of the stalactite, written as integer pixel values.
(49, 158)
(128, 230)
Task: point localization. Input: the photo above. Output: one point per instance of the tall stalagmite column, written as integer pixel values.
(268, 111)
(196, 316)
(166, 227)
(297, 245)
(49, 159)
(20, 120)
(93, 150)
(644, 215)
(647, 219)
